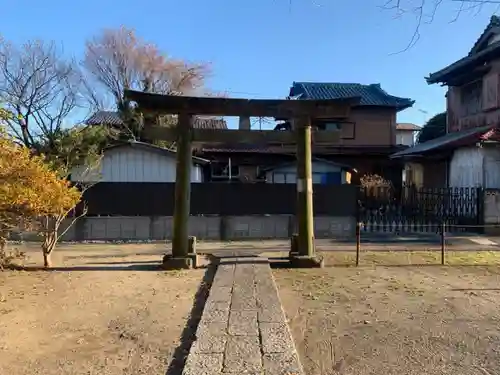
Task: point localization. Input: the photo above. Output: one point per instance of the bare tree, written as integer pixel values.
(40, 88)
(118, 59)
(424, 11)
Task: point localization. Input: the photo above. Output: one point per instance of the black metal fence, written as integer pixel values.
(411, 209)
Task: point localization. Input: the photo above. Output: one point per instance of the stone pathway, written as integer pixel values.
(243, 329)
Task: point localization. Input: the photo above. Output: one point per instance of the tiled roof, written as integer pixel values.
(290, 149)
(478, 56)
(487, 33)
(447, 140)
(113, 118)
(371, 95)
(407, 126)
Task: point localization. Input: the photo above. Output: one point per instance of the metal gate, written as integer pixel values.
(411, 209)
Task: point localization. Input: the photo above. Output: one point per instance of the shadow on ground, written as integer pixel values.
(112, 267)
(476, 290)
(188, 336)
(114, 256)
(392, 238)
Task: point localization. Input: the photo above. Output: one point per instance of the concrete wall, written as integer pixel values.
(116, 228)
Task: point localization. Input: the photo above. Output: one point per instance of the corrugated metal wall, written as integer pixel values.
(466, 168)
(475, 167)
(127, 164)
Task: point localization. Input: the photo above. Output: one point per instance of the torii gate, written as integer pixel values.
(301, 112)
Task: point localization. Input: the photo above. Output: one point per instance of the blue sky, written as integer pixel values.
(257, 48)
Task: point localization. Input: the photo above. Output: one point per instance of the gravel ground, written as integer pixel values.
(105, 311)
(395, 318)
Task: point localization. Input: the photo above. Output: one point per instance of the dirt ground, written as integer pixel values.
(397, 314)
(108, 310)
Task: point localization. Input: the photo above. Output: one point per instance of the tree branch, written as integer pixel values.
(424, 12)
(40, 87)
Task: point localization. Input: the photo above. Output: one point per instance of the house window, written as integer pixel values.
(471, 96)
(331, 126)
(223, 171)
(284, 178)
(346, 128)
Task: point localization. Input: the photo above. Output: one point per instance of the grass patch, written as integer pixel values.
(390, 258)
(403, 257)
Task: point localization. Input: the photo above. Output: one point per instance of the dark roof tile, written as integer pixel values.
(488, 32)
(447, 140)
(113, 118)
(371, 95)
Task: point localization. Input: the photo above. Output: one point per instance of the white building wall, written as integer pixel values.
(475, 167)
(130, 164)
(466, 168)
(406, 138)
(491, 168)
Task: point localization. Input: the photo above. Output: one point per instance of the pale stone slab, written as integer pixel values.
(220, 294)
(224, 276)
(242, 323)
(270, 315)
(211, 328)
(243, 328)
(282, 364)
(214, 315)
(203, 364)
(243, 300)
(216, 305)
(276, 338)
(242, 354)
(208, 344)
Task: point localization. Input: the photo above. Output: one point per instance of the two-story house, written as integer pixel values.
(405, 133)
(468, 155)
(367, 139)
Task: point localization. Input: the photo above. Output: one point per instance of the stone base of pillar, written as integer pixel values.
(304, 261)
(191, 260)
(177, 263)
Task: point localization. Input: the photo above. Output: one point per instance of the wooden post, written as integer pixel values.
(304, 189)
(443, 243)
(180, 246)
(358, 242)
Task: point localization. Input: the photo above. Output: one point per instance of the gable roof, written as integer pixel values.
(370, 95)
(407, 126)
(153, 148)
(492, 29)
(113, 118)
(478, 57)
